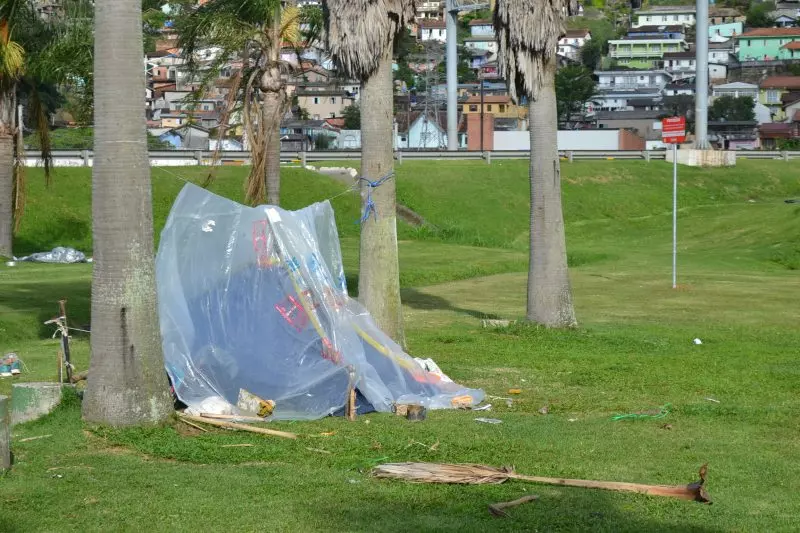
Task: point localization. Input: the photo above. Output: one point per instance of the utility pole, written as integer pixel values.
(701, 77)
(451, 27)
(451, 10)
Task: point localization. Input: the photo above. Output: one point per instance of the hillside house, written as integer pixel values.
(736, 89)
(481, 28)
(500, 106)
(428, 9)
(631, 79)
(432, 30)
(772, 90)
(324, 102)
(571, 43)
(724, 15)
(765, 44)
(725, 31)
(673, 31)
(665, 15)
(643, 52)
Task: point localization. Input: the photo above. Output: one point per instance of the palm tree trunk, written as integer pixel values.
(549, 293)
(127, 383)
(7, 112)
(379, 272)
(6, 193)
(272, 113)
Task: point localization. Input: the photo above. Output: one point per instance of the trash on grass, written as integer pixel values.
(59, 254)
(544, 410)
(661, 413)
(489, 420)
(515, 391)
(487, 407)
(713, 400)
(430, 366)
(698, 341)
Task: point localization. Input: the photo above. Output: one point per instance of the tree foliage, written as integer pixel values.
(731, 108)
(760, 15)
(352, 117)
(574, 88)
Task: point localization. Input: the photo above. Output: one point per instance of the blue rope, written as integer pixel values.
(369, 207)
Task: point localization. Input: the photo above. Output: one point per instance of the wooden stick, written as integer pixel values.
(350, 410)
(62, 305)
(245, 445)
(497, 508)
(34, 438)
(190, 423)
(232, 417)
(693, 491)
(242, 427)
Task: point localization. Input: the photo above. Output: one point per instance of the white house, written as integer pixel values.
(481, 28)
(487, 43)
(428, 9)
(631, 79)
(736, 89)
(628, 99)
(665, 15)
(720, 52)
(432, 30)
(677, 89)
(570, 45)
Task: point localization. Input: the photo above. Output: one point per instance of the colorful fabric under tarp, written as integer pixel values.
(255, 298)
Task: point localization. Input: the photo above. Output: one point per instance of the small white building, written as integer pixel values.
(432, 30)
(571, 43)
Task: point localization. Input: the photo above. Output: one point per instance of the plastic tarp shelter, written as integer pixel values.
(255, 298)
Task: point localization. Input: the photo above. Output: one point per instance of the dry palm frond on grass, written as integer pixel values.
(471, 474)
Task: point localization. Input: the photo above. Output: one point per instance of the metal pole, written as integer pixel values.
(481, 80)
(701, 77)
(451, 27)
(674, 215)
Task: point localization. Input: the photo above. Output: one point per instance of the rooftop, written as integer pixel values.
(645, 38)
(491, 99)
(775, 130)
(719, 11)
(576, 34)
(432, 23)
(657, 29)
(480, 22)
(667, 9)
(794, 45)
(636, 114)
(686, 54)
(770, 32)
(781, 82)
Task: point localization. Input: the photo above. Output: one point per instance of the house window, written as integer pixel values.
(502, 108)
(333, 99)
(333, 115)
(316, 100)
(773, 96)
(489, 107)
(473, 108)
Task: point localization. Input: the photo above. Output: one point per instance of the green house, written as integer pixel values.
(769, 44)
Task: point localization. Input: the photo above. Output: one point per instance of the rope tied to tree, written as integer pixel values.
(369, 206)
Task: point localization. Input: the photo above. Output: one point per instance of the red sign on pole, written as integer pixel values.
(673, 130)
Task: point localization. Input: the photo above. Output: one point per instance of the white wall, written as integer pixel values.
(567, 140)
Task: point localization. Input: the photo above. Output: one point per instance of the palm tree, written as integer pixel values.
(528, 32)
(23, 35)
(360, 36)
(127, 383)
(37, 55)
(254, 31)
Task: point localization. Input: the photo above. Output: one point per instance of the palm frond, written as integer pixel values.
(357, 31)
(13, 59)
(230, 105)
(528, 32)
(38, 115)
(290, 25)
(469, 474)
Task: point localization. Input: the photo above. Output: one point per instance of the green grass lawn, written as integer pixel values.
(740, 293)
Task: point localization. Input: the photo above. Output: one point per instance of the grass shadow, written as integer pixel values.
(426, 302)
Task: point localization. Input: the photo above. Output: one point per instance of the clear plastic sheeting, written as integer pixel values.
(59, 254)
(256, 299)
